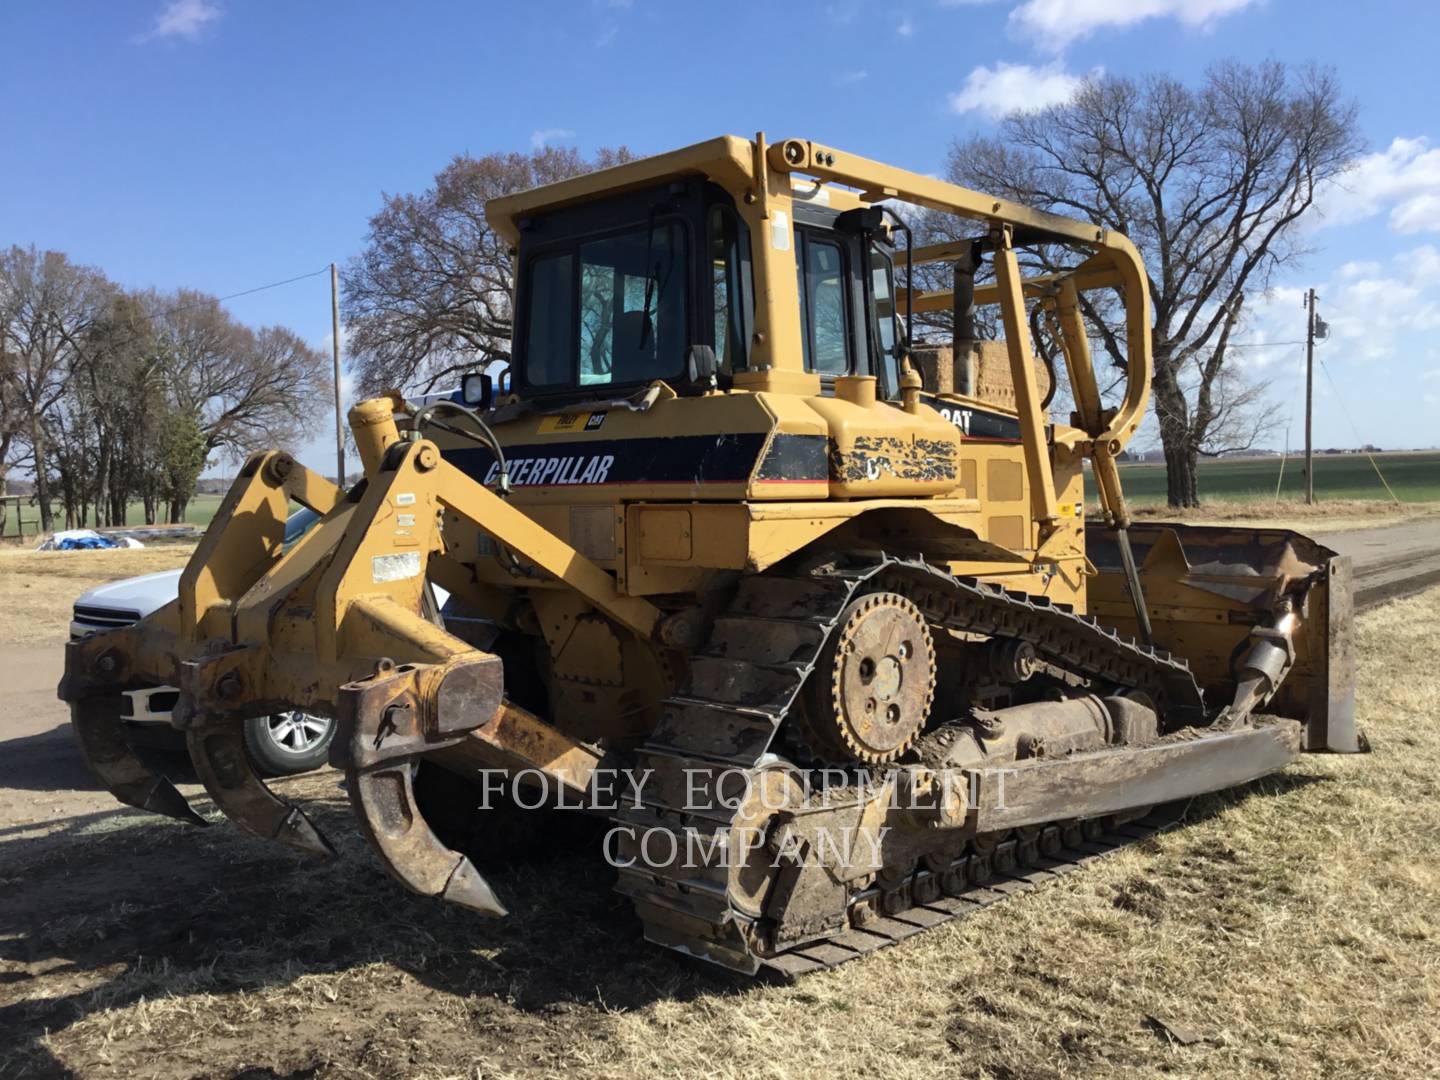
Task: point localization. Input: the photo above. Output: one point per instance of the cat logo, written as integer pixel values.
(566, 422)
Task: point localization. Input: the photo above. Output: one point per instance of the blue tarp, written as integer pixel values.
(83, 543)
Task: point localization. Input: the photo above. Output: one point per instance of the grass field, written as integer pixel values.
(1415, 478)
(199, 512)
(1290, 928)
(38, 587)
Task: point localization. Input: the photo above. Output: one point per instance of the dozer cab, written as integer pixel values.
(807, 612)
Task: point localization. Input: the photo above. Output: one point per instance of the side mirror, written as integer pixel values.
(477, 389)
(701, 366)
(863, 219)
(901, 349)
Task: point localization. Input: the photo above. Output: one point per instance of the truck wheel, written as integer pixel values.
(287, 743)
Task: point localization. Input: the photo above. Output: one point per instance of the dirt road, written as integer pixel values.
(1390, 562)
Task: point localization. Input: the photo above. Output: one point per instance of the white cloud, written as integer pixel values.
(549, 136)
(1056, 23)
(1404, 177)
(184, 19)
(849, 78)
(1375, 312)
(1358, 269)
(1008, 88)
(904, 28)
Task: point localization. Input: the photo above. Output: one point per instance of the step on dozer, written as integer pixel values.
(807, 610)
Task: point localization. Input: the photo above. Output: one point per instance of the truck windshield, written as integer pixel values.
(609, 310)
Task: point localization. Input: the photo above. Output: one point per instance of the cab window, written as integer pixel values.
(820, 267)
(882, 298)
(609, 310)
(729, 292)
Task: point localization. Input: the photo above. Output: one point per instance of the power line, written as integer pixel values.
(275, 284)
(1351, 421)
(244, 292)
(1261, 344)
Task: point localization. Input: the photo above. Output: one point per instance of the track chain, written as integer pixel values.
(743, 683)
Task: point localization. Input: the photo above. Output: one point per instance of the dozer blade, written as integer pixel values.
(101, 735)
(218, 753)
(1213, 590)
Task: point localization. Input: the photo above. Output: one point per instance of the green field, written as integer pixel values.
(1414, 477)
(200, 511)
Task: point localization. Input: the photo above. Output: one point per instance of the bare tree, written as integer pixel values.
(46, 303)
(430, 294)
(245, 389)
(1210, 184)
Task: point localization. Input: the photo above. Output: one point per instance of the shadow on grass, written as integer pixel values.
(156, 909)
(1203, 808)
(150, 909)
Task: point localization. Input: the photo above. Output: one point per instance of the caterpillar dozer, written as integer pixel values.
(809, 616)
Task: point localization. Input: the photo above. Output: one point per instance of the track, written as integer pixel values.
(743, 684)
(1389, 564)
(1005, 873)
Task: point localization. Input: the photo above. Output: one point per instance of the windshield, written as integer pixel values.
(609, 310)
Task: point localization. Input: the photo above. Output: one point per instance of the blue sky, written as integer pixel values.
(222, 145)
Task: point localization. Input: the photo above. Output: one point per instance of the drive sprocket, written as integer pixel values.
(873, 686)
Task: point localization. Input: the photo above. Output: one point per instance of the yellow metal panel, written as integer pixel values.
(1007, 531)
(664, 535)
(1004, 480)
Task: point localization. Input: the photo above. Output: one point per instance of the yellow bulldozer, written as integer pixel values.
(820, 632)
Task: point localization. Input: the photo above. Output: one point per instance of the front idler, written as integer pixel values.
(216, 743)
(385, 724)
(96, 671)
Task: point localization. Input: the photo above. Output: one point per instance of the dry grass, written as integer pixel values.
(1294, 927)
(38, 587)
(1333, 515)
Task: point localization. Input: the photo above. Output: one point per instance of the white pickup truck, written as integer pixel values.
(280, 745)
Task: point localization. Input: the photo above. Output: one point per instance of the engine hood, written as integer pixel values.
(141, 595)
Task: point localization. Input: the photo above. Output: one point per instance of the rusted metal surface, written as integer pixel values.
(384, 724)
(1101, 783)
(218, 753)
(875, 684)
(383, 797)
(100, 733)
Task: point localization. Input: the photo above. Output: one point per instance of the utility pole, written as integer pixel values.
(335, 345)
(1309, 395)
